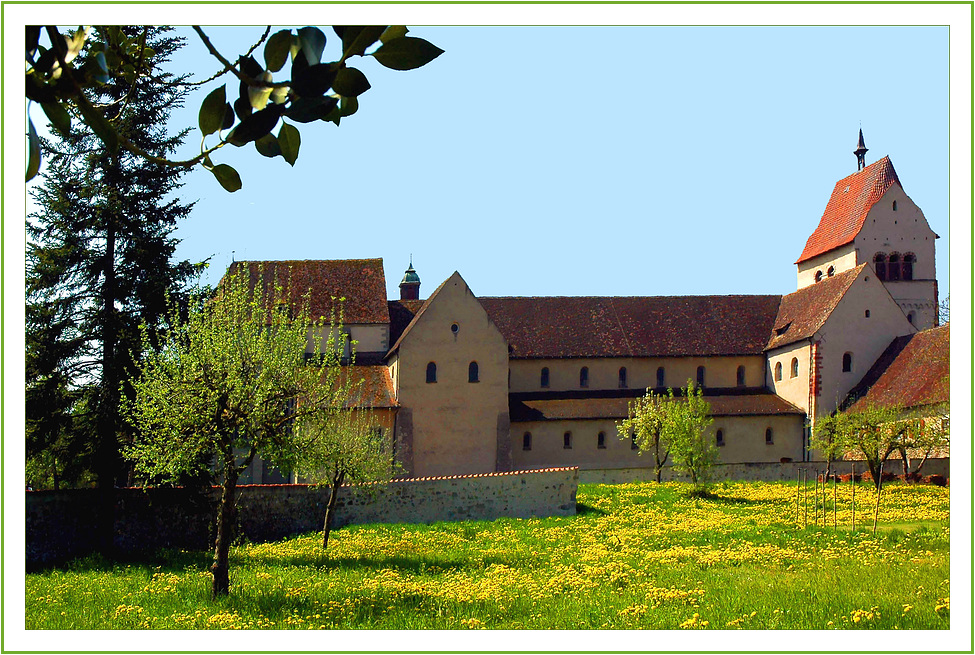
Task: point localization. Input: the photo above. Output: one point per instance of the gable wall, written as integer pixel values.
(793, 389)
(454, 424)
(848, 330)
(842, 259)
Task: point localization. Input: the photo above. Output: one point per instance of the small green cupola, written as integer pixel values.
(409, 288)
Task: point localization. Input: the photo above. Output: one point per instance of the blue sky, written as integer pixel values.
(591, 160)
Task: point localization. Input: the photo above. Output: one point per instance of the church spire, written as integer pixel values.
(861, 153)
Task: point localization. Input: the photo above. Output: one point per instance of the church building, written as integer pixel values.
(464, 384)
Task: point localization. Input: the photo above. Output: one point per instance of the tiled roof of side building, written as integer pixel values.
(912, 372)
(803, 312)
(376, 391)
(559, 409)
(852, 198)
(658, 326)
(360, 281)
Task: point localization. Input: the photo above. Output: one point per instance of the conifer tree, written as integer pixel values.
(99, 264)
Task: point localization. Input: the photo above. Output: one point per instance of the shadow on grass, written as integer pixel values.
(585, 510)
(166, 559)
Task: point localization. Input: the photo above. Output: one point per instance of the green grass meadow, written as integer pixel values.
(636, 556)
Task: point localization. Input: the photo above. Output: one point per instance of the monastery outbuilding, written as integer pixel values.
(465, 384)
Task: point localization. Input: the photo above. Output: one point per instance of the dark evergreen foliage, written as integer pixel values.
(100, 263)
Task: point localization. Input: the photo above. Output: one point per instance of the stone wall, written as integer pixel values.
(61, 525)
(761, 471)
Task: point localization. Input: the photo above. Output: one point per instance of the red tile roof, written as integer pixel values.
(803, 312)
(912, 372)
(660, 326)
(360, 281)
(559, 409)
(377, 386)
(852, 198)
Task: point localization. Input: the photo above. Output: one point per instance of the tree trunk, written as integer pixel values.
(226, 520)
(333, 496)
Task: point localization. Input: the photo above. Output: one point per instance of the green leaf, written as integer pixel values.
(406, 53)
(256, 125)
(228, 117)
(290, 141)
(277, 50)
(268, 145)
(213, 111)
(227, 177)
(357, 38)
(306, 110)
(34, 148)
(313, 81)
(393, 32)
(58, 116)
(312, 42)
(348, 106)
(350, 82)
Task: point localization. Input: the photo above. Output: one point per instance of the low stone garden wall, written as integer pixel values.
(62, 524)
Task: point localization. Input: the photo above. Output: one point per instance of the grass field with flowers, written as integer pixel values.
(638, 555)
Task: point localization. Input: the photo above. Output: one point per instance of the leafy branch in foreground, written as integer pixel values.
(314, 90)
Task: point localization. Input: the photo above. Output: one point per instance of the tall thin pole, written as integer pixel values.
(853, 502)
(880, 482)
(805, 497)
(834, 502)
(798, 494)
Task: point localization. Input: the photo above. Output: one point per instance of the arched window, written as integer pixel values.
(778, 371)
(866, 313)
(526, 441)
(907, 268)
(740, 376)
(431, 372)
(622, 377)
(794, 371)
(601, 440)
(910, 317)
(660, 376)
(819, 276)
(584, 376)
(719, 437)
(700, 376)
(830, 271)
(567, 440)
(472, 372)
(894, 267)
(544, 379)
(768, 435)
(880, 266)
(847, 362)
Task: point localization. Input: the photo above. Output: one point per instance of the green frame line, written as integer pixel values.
(971, 5)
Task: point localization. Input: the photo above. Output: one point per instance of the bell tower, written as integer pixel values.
(861, 153)
(409, 288)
